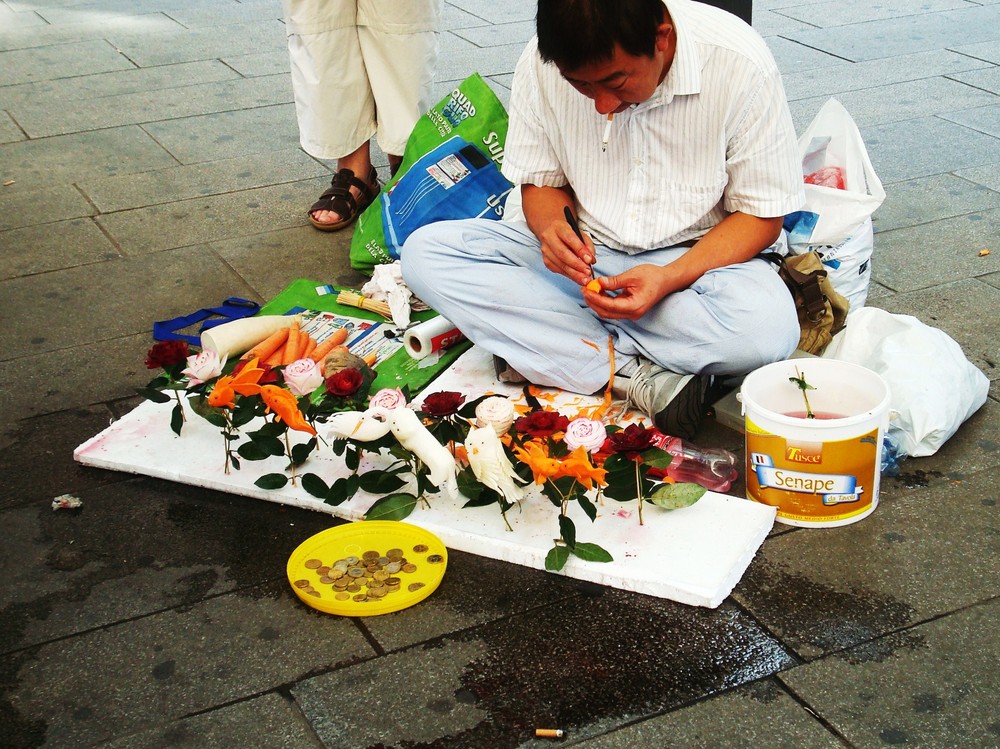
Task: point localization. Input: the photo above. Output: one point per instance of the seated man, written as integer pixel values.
(699, 168)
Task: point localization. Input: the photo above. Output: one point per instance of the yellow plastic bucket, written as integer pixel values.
(818, 472)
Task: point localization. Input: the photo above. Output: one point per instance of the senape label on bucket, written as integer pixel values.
(812, 481)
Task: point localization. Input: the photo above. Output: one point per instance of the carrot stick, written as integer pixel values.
(310, 346)
(274, 359)
(371, 359)
(322, 349)
(268, 346)
(292, 344)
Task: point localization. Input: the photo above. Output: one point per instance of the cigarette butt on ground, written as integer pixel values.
(550, 733)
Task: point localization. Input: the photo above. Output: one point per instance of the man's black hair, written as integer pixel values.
(574, 33)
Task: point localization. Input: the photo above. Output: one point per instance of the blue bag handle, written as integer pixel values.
(232, 308)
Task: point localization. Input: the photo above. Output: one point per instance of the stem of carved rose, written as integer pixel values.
(638, 490)
(291, 461)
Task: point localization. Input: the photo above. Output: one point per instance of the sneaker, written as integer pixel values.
(675, 402)
(506, 373)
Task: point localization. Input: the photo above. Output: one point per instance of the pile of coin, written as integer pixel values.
(370, 577)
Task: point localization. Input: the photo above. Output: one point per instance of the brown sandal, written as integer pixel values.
(339, 199)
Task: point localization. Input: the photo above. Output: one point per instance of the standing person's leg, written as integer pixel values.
(487, 278)
(399, 45)
(334, 104)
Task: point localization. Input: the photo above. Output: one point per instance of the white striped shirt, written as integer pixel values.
(714, 138)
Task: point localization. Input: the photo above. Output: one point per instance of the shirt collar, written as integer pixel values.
(684, 76)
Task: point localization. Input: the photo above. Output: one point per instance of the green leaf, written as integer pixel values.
(271, 481)
(588, 507)
(485, 498)
(352, 459)
(268, 445)
(215, 418)
(341, 490)
(592, 553)
(676, 496)
(469, 486)
(176, 419)
(252, 451)
(393, 507)
(270, 429)
(381, 482)
(300, 453)
(568, 531)
(153, 395)
(556, 559)
(234, 461)
(655, 457)
(315, 485)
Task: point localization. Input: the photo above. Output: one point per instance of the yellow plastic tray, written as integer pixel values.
(419, 547)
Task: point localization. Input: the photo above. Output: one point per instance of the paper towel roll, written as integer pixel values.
(235, 337)
(429, 336)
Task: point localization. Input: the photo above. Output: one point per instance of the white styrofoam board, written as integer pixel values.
(695, 555)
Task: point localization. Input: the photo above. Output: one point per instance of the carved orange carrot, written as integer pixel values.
(285, 406)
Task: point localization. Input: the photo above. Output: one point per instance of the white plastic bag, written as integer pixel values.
(849, 264)
(933, 387)
(833, 153)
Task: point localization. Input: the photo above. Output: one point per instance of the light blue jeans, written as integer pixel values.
(487, 277)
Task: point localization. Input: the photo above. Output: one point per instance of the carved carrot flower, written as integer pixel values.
(244, 382)
(537, 458)
(578, 466)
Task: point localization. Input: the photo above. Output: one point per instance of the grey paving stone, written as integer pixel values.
(43, 387)
(744, 718)
(104, 153)
(11, 19)
(228, 135)
(932, 686)
(965, 310)
(59, 61)
(828, 14)
(31, 207)
(555, 666)
(896, 102)
(498, 35)
(466, 59)
(988, 79)
(269, 721)
(916, 557)
(791, 56)
(925, 256)
(930, 145)
(455, 18)
(54, 246)
(54, 118)
(989, 176)
(139, 674)
(770, 24)
(832, 80)
(206, 544)
(118, 83)
(24, 454)
(984, 119)
(57, 34)
(463, 600)
(199, 180)
(9, 131)
(172, 283)
(259, 63)
(205, 43)
(926, 199)
(900, 36)
(496, 12)
(305, 253)
(189, 222)
(989, 51)
(218, 14)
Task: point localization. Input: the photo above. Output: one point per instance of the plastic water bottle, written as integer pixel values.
(711, 467)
